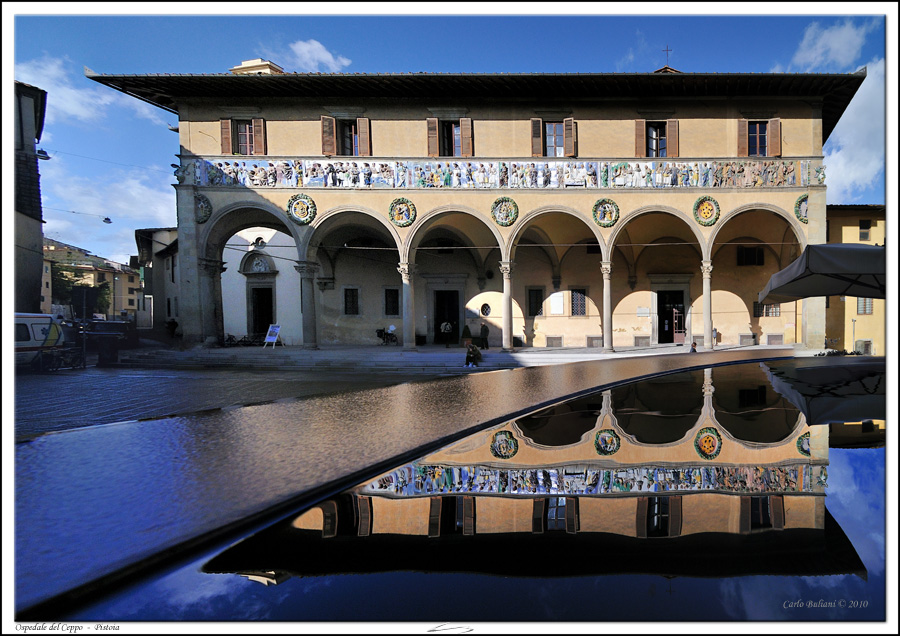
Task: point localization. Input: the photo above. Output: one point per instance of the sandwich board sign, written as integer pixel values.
(272, 336)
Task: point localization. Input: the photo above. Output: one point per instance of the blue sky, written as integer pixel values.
(111, 154)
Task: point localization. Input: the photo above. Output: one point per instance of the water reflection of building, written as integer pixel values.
(717, 475)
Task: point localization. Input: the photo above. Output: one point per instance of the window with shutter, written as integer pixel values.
(777, 504)
(466, 138)
(675, 518)
(433, 140)
(537, 516)
(640, 137)
(572, 521)
(434, 517)
(569, 143)
(742, 150)
(258, 144)
(537, 138)
(672, 138)
(757, 138)
(774, 137)
(365, 140)
(225, 130)
(744, 517)
(640, 525)
(554, 139)
(329, 136)
(656, 139)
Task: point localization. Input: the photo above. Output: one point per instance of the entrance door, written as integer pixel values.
(446, 309)
(667, 303)
(261, 309)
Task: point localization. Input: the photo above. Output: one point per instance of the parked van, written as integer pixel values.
(36, 334)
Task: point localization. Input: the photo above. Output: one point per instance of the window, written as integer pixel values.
(864, 230)
(451, 140)
(658, 517)
(756, 138)
(243, 136)
(579, 301)
(750, 255)
(346, 137)
(391, 302)
(863, 306)
(768, 311)
(535, 302)
(553, 138)
(131, 302)
(656, 139)
(132, 290)
(556, 513)
(351, 301)
(101, 277)
(760, 516)
(168, 307)
(131, 279)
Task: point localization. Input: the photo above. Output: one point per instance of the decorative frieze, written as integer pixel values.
(593, 480)
(456, 174)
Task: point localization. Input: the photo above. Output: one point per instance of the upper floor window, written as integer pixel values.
(759, 138)
(756, 139)
(656, 138)
(553, 138)
(346, 137)
(449, 138)
(863, 306)
(865, 228)
(243, 136)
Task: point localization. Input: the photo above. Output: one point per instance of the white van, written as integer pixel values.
(35, 335)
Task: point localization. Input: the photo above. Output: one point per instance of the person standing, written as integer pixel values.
(485, 332)
(446, 328)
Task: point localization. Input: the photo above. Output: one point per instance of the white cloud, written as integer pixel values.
(834, 48)
(855, 152)
(311, 56)
(66, 100)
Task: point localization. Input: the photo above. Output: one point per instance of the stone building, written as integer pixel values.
(598, 210)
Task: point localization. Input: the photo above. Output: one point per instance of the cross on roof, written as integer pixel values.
(667, 50)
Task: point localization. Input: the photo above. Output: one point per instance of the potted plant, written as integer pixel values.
(466, 338)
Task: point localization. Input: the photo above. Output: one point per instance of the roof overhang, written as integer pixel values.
(832, 91)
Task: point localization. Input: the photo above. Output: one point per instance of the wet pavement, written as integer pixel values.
(95, 499)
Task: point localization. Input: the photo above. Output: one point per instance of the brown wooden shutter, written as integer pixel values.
(675, 516)
(468, 515)
(434, 147)
(640, 137)
(225, 127)
(569, 136)
(537, 516)
(743, 145)
(329, 519)
(571, 515)
(465, 137)
(640, 521)
(537, 137)
(774, 140)
(363, 506)
(745, 515)
(434, 518)
(672, 138)
(365, 139)
(777, 503)
(329, 136)
(259, 137)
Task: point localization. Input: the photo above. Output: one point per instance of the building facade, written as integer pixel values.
(856, 324)
(30, 108)
(599, 210)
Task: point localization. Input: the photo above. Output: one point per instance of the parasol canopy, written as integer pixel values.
(831, 269)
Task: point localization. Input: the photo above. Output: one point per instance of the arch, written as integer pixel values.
(423, 221)
(329, 217)
(224, 224)
(790, 218)
(527, 218)
(626, 219)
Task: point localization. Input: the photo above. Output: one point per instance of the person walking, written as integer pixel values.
(485, 332)
(446, 328)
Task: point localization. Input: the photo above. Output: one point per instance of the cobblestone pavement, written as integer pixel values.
(67, 399)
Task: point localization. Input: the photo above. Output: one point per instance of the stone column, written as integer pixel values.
(307, 271)
(506, 268)
(211, 327)
(407, 271)
(706, 268)
(606, 268)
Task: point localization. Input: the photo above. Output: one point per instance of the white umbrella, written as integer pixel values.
(833, 269)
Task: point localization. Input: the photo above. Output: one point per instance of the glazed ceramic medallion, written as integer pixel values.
(504, 445)
(301, 209)
(708, 443)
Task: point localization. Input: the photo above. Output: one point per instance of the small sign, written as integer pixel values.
(643, 312)
(272, 336)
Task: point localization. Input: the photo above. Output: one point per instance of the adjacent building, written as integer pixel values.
(586, 210)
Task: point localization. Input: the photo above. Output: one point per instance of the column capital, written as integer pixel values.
(606, 268)
(506, 268)
(406, 270)
(307, 269)
(706, 268)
